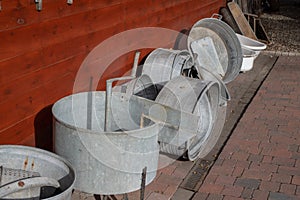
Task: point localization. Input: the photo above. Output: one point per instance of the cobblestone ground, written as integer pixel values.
(261, 160)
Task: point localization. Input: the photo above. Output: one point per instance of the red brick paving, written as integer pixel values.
(261, 159)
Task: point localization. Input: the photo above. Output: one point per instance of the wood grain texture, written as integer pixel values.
(41, 52)
(241, 21)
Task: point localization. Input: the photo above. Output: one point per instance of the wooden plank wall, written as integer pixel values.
(40, 52)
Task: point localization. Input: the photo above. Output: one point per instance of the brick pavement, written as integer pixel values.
(253, 164)
(261, 160)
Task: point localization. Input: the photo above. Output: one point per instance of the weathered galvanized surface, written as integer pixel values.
(226, 45)
(33, 162)
(23, 188)
(207, 75)
(201, 98)
(141, 86)
(164, 64)
(106, 162)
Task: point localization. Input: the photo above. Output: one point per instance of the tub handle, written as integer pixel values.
(108, 93)
(27, 183)
(217, 16)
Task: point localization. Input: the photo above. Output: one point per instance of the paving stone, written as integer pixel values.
(296, 180)
(295, 155)
(168, 170)
(180, 173)
(281, 196)
(181, 194)
(288, 189)
(170, 191)
(215, 197)
(248, 183)
(255, 157)
(269, 186)
(240, 156)
(157, 196)
(200, 196)
(289, 170)
(263, 167)
(258, 194)
(157, 187)
(267, 159)
(165, 179)
(225, 180)
(256, 174)
(247, 193)
(231, 198)
(238, 171)
(284, 161)
(298, 190)
(211, 179)
(281, 178)
(234, 191)
(211, 188)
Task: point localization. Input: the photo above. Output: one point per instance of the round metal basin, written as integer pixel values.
(200, 98)
(106, 162)
(34, 174)
(226, 47)
(164, 64)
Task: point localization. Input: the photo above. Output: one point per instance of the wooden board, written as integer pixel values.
(241, 21)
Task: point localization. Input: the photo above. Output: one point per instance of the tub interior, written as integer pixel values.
(87, 111)
(35, 160)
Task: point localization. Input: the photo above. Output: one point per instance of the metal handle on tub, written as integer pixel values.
(217, 16)
(27, 183)
(108, 93)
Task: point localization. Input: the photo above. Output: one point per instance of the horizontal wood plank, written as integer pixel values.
(38, 36)
(17, 14)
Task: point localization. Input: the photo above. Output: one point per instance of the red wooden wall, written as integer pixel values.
(40, 52)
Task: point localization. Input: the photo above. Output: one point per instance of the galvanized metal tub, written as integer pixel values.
(164, 64)
(108, 162)
(141, 86)
(207, 75)
(193, 96)
(28, 168)
(226, 45)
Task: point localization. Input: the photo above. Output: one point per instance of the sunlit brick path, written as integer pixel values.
(261, 160)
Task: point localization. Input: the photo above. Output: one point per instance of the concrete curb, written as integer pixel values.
(280, 53)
